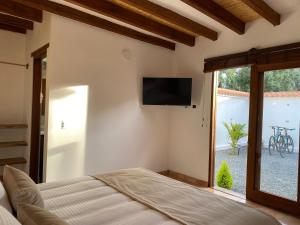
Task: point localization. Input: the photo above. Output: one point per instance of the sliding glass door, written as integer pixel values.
(273, 163)
(264, 161)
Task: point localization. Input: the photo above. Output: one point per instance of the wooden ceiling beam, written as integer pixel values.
(168, 17)
(116, 12)
(20, 10)
(264, 10)
(218, 13)
(16, 22)
(12, 28)
(95, 21)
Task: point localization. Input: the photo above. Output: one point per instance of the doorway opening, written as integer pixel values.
(231, 130)
(37, 166)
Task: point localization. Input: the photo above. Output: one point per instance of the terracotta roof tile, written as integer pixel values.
(228, 92)
(283, 94)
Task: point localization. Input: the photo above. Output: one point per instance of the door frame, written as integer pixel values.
(37, 56)
(254, 140)
(212, 141)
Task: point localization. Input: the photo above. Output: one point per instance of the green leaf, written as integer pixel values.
(236, 131)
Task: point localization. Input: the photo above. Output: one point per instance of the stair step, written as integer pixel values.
(12, 144)
(12, 161)
(13, 126)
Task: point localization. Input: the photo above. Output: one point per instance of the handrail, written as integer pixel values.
(15, 64)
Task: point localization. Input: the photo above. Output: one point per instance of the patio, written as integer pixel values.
(277, 172)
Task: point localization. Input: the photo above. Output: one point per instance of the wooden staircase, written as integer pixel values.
(12, 144)
(13, 126)
(6, 145)
(12, 161)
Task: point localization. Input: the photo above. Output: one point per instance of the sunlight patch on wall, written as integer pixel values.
(67, 132)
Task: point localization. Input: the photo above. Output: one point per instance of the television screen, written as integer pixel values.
(167, 91)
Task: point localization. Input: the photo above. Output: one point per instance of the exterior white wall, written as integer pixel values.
(281, 112)
(96, 92)
(189, 140)
(277, 112)
(230, 109)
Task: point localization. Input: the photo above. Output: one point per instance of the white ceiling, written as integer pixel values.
(284, 6)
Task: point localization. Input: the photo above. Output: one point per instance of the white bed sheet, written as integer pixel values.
(87, 201)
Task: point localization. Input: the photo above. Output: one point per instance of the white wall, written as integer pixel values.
(96, 92)
(12, 49)
(35, 39)
(189, 140)
(12, 78)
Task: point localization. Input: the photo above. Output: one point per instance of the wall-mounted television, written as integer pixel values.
(167, 91)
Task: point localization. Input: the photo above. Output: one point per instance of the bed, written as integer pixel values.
(142, 197)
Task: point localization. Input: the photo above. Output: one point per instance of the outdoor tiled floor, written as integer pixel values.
(279, 175)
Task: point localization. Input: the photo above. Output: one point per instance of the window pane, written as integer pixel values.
(280, 133)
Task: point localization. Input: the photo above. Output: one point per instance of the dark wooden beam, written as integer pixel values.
(168, 17)
(114, 11)
(89, 19)
(277, 54)
(16, 22)
(12, 28)
(218, 13)
(264, 10)
(20, 10)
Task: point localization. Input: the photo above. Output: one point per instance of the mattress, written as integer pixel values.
(142, 197)
(88, 201)
(182, 202)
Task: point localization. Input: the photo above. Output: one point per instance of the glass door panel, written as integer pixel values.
(279, 158)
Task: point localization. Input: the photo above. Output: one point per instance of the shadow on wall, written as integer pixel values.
(61, 161)
(67, 132)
